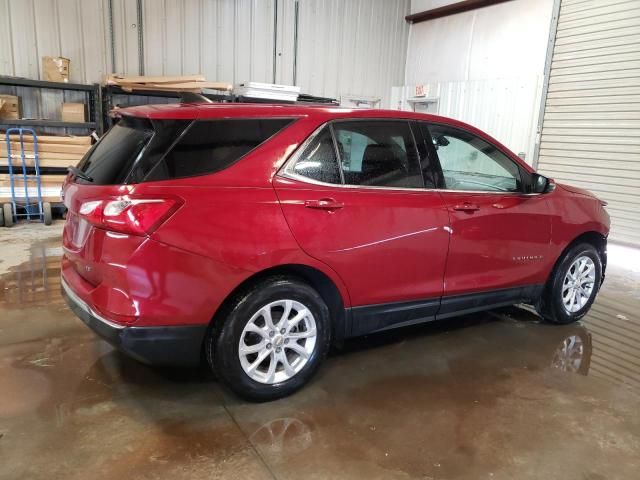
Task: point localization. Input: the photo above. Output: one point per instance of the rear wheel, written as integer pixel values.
(7, 211)
(272, 341)
(573, 287)
(46, 213)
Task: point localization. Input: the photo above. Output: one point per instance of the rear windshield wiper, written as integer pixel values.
(80, 174)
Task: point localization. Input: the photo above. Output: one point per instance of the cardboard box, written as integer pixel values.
(9, 107)
(55, 69)
(73, 112)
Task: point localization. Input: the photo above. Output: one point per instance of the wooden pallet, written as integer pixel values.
(67, 140)
(53, 151)
(182, 83)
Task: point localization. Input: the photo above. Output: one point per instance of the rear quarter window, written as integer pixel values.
(208, 146)
(137, 150)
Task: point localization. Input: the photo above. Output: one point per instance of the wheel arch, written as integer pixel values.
(592, 237)
(317, 279)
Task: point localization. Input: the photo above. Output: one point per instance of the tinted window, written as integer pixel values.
(378, 153)
(209, 146)
(110, 160)
(470, 163)
(318, 160)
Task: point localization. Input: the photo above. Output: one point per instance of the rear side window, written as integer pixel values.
(208, 146)
(110, 160)
(378, 153)
(318, 160)
(137, 150)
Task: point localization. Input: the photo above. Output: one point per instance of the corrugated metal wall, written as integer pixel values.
(503, 107)
(31, 29)
(343, 47)
(356, 47)
(227, 41)
(591, 125)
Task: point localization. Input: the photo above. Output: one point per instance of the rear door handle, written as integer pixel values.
(467, 207)
(324, 204)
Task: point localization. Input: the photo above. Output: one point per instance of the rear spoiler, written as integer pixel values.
(190, 97)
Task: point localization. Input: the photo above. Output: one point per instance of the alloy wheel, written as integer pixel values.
(578, 284)
(277, 341)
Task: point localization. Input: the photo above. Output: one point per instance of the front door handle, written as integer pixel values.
(324, 204)
(467, 207)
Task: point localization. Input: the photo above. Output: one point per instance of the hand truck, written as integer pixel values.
(30, 206)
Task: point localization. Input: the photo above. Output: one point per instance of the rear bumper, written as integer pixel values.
(173, 345)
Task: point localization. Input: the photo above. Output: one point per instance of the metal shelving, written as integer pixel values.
(48, 123)
(93, 104)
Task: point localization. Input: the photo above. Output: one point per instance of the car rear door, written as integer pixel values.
(500, 234)
(354, 198)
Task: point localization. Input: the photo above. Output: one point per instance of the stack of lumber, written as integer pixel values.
(50, 187)
(53, 151)
(182, 83)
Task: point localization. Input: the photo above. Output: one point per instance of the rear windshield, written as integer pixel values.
(137, 150)
(111, 159)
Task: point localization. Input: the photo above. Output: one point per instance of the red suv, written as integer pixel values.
(256, 236)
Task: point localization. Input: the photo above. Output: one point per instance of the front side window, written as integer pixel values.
(378, 153)
(470, 163)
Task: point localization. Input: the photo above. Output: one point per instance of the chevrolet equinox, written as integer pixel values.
(253, 237)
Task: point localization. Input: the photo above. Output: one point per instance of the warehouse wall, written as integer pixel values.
(31, 29)
(422, 5)
(344, 47)
(486, 66)
(352, 47)
(356, 47)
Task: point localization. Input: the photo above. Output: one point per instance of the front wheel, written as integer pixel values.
(573, 287)
(272, 341)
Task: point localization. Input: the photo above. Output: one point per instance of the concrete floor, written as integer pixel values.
(484, 396)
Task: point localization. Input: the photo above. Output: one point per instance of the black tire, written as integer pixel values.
(7, 210)
(551, 306)
(46, 213)
(1, 217)
(223, 342)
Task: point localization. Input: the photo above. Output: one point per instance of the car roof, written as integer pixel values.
(243, 110)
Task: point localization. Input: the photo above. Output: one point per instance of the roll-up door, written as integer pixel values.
(591, 124)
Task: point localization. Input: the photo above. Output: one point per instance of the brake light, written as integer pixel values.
(136, 216)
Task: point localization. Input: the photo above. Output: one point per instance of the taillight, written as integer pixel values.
(136, 216)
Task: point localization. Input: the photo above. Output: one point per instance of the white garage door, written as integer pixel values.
(591, 125)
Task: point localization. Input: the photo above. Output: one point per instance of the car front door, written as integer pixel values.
(500, 234)
(354, 198)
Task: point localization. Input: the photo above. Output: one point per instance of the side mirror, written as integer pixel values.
(539, 183)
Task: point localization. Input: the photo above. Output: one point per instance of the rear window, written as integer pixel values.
(110, 160)
(137, 150)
